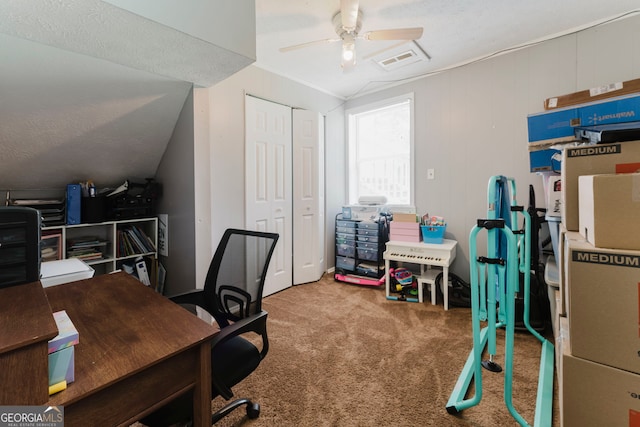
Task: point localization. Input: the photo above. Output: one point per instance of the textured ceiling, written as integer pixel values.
(99, 29)
(455, 33)
(92, 91)
(68, 118)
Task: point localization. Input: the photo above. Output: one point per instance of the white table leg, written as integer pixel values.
(386, 277)
(421, 285)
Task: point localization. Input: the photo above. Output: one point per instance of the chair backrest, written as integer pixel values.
(235, 280)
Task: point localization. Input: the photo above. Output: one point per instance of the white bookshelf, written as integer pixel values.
(106, 233)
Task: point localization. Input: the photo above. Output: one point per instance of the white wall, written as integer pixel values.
(471, 122)
(176, 174)
(227, 143)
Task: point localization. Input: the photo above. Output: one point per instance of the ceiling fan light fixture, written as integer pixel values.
(348, 51)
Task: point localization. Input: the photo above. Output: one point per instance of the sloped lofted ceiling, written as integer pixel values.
(92, 89)
(89, 90)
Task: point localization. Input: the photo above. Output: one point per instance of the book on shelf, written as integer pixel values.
(86, 242)
(88, 248)
(141, 268)
(133, 241)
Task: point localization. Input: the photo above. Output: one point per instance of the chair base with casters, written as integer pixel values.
(232, 294)
(253, 410)
(233, 358)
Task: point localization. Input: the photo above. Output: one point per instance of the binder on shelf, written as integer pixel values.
(74, 203)
(141, 268)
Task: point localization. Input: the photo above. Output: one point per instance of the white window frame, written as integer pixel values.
(351, 189)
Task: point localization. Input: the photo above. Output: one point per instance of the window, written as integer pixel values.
(380, 147)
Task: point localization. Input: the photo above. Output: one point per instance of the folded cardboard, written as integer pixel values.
(563, 276)
(561, 349)
(61, 350)
(609, 210)
(604, 286)
(597, 395)
(593, 94)
(559, 125)
(623, 157)
(404, 217)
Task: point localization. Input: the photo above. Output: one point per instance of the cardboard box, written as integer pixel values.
(553, 196)
(604, 286)
(563, 276)
(61, 350)
(622, 157)
(404, 217)
(593, 94)
(558, 125)
(554, 125)
(609, 210)
(561, 350)
(544, 160)
(597, 395)
(404, 231)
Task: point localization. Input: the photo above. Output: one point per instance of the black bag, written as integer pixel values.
(459, 290)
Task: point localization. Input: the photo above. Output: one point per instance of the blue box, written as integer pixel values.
(556, 124)
(433, 233)
(544, 160)
(74, 203)
(559, 124)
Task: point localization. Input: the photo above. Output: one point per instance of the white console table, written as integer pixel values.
(426, 255)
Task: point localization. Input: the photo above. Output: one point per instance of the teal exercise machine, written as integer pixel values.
(494, 283)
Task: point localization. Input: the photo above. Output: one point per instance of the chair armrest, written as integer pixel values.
(256, 323)
(192, 297)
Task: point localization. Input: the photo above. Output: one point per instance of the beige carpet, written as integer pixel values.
(343, 355)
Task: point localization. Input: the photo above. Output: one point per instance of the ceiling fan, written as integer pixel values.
(347, 23)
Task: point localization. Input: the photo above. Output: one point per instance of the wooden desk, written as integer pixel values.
(24, 344)
(137, 351)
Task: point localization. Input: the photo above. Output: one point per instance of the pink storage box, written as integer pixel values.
(405, 231)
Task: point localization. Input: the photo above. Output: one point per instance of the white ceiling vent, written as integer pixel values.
(400, 58)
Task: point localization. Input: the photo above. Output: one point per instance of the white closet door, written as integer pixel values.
(268, 192)
(308, 196)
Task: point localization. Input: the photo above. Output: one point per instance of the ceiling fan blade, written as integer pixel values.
(349, 14)
(396, 34)
(307, 44)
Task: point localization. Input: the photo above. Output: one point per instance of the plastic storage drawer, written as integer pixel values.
(367, 238)
(344, 223)
(345, 263)
(367, 232)
(367, 254)
(346, 230)
(346, 249)
(344, 237)
(369, 225)
(368, 245)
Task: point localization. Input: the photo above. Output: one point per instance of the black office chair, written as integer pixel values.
(232, 294)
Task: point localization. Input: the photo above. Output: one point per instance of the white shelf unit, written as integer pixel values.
(107, 232)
